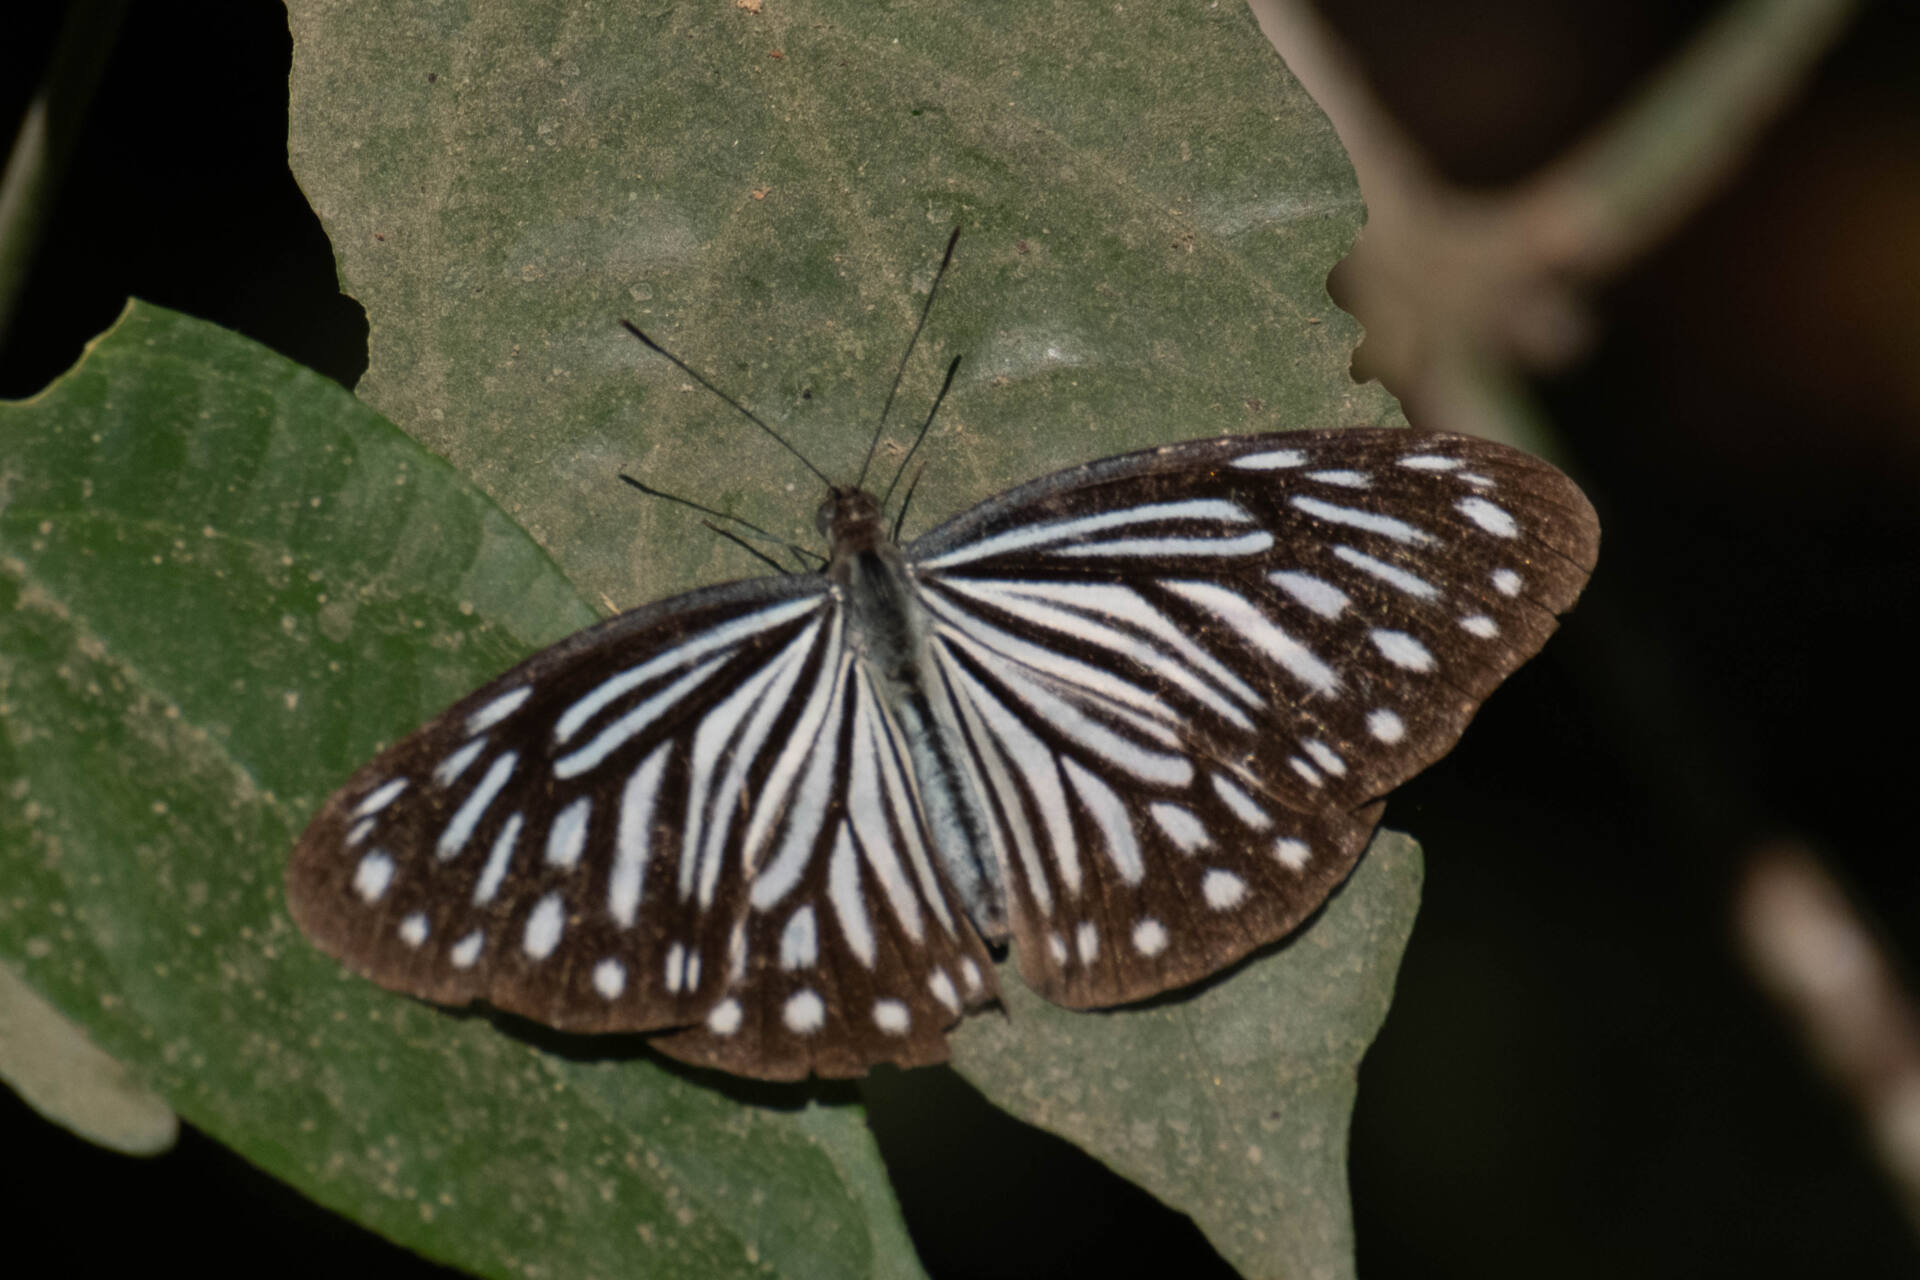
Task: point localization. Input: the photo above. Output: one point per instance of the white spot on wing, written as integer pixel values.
(361, 830)
(737, 953)
(805, 1013)
(610, 978)
(1057, 948)
(1271, 460)
(1429, 462)
(380, 798)
(1370, 521)
(544, 927)
(970, 974)
(1386, 725)
(1326, 757)
(1316, 596)
(1493, 519)
(448, 771)
(1244, 806)
(467, 950)
(1247, 544)
(499, 709)
(892, 1016)
(849, 904)
(1305, 770)
(568, 836)
(1345, 479)
(942, 987)
(1110, 815)
(1086, 940)
(1401, 649)
(1186, 831)
(633, 839)
(1391, 574)
(1292, 854)
(498, 859)
(1149, 937)
(1222, 889)
(1507, 582)
(800, 941)
(413, 930)
(1480, 625)
(373, 875)
(725, 1018)
(454, 838)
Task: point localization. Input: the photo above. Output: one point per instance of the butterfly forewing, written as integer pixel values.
(1188, 675)
(565, 843)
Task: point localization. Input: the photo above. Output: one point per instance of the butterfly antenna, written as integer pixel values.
(924, 428)
(932, 293)
(743, 411)
(747, 547)
(907, 501)
(704, 510)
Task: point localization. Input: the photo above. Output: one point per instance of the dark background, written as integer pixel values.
(1577, 1078)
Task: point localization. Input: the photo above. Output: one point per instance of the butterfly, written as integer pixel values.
(1136, 719)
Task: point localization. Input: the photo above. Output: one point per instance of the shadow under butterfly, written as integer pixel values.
(1138, 716)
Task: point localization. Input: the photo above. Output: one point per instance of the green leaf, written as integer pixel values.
(242, 585)
(222, 582)
(1149, 206)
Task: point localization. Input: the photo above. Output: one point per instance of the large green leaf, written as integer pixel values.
(222, 582)
(1149, 206)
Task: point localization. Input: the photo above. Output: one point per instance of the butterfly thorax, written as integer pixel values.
(889, 630)
(887, 625)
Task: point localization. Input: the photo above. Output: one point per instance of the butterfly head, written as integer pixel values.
(850, 517)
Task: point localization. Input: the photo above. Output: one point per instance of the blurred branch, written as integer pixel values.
(1813, 954)
(49, 129)
(1463, 293)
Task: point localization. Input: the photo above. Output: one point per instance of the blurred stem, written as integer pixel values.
(1452, 284)
(1821, 961)
(1666, 151)
(43, 147)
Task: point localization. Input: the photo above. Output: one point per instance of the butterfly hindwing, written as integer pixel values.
(853, 950)
(1189, 674)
